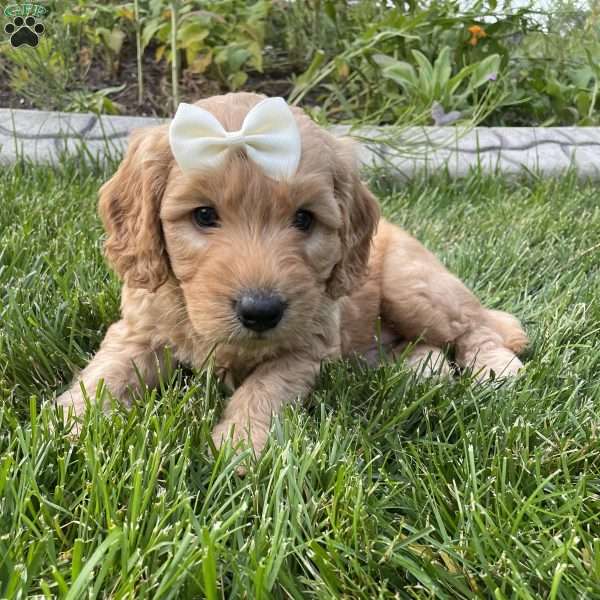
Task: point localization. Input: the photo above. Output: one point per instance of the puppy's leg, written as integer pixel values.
(262, 394)
(123, 358)
(424, 359)
(490, 346)
(422, 300)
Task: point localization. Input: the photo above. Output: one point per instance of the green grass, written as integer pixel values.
(381, 486)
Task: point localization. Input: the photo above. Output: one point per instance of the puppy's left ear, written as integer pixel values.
(360, 215)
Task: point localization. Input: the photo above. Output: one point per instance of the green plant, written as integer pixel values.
(403, 64)
(222, 38)
(43, 75)
(50, 75)
(368, 61)
(430, 83)
(138, 50)
(101, 28)
(555, 83)
(174, 9)
(558, 75)
(97, 101)
(46, 77)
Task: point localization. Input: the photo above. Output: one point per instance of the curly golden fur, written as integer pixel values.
(350, 269)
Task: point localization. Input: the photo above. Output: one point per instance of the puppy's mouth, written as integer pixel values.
(259, 338)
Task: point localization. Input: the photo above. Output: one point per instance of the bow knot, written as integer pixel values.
(235, 138)
(269, 136)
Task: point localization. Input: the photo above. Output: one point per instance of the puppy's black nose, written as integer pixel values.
(260, 310)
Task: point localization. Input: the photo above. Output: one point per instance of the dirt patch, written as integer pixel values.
(157, 98)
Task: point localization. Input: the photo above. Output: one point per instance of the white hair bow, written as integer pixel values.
(269, 135)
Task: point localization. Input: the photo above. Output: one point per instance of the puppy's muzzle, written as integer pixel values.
(260, 310)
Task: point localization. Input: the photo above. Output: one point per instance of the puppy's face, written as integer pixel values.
(252, 255)
(257, 260)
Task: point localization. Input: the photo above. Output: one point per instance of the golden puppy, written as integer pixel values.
(271, 277)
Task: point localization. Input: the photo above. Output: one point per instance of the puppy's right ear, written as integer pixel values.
(129, 207)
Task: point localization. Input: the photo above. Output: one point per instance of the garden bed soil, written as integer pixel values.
(157, 98)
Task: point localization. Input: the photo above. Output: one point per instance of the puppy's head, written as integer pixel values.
(255, 258)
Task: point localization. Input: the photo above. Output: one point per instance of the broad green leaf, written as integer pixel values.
(73, 19)
(425, 73)
(149, 31)
(583, 101)
(237, 80)
(442, 70)
(192, 33)
(398, 71)
(581, 76)
(383, 60)
(201, 63)
(483, 70)
(112, 38)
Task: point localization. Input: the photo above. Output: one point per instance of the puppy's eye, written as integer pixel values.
(303, 220)
(206, 216)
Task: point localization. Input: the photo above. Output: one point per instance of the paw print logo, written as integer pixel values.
(24, 31)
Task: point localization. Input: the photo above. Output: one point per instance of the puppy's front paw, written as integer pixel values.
(501, 362)
(429, 362)
(72, 401)
(241, 433)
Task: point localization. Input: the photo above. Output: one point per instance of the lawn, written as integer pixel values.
(381, 486)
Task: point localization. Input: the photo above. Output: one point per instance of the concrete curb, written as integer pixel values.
(44, 137)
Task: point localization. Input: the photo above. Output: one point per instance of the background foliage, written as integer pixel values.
(422, 61)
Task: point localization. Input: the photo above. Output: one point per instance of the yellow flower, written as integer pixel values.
(477, 32)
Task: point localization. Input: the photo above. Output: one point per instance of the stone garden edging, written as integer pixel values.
(44, 137)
